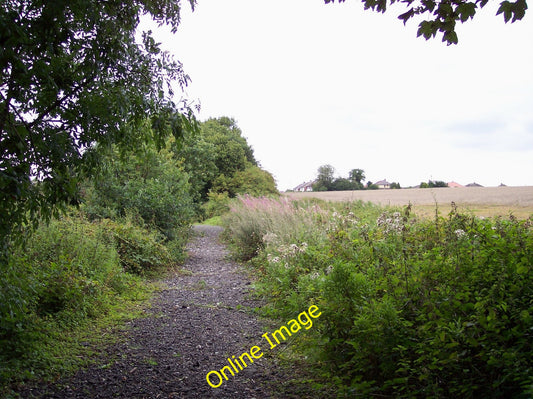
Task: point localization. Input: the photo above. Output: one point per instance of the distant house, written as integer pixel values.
(474, 185)
(308, 186)
(382, 184)
(454, 184)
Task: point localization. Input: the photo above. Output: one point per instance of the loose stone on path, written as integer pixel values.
(195, 324)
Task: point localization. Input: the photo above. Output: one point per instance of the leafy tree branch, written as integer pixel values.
(443, 15)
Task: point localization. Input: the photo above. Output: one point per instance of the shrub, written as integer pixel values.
(142, 250)
(217, 204)
(68, 271)
(150, 184)
(412, 308)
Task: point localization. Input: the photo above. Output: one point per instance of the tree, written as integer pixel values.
(73, 75)
(254, 181)
(146, 181)
(324, 180)
(221, 163)
(443, 15)
(357, 176)
(342, 184)
(437, 183)
(395, 186)
(198, 156)
(371, 186)
(232, 152)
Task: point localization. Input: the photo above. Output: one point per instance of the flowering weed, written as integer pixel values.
(413, 308)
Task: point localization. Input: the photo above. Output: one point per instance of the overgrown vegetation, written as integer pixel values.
(221, 164)
(412, 308)
(71, 273)
(133, 223)
(89, 119)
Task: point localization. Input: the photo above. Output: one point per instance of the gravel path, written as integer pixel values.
(193, 326)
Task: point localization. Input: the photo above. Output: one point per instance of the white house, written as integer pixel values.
(308, 186)
(382, 184)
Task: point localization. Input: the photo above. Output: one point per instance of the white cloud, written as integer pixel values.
(311, 84)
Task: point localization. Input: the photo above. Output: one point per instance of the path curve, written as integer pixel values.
(193, 326)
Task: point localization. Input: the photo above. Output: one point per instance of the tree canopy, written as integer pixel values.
(443, 15)
(74, 74)
(218, 159)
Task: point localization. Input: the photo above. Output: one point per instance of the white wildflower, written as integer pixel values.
(459, 233)
(270, 238)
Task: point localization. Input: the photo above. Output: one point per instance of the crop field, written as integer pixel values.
(481, 201)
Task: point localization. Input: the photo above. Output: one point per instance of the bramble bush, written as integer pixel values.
(413, 308)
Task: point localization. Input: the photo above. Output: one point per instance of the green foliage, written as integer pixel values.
(433, 184)
(71, 271)
(72, 75)
(68, 271)
(148, 182)
(220, 161)
(326, 181)
(218, 204)
(198, 161)
(231, 149)
(444, 15)
(357, 176)
(251, 219)
(142, 251)
(253, 181)
(412, 308)
(395, 185)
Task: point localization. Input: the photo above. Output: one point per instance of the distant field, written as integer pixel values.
(482, 201)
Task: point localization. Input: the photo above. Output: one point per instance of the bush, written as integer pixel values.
(141, 250)
(412, 308)
(150, 184)
(217, 204)
(68, 272)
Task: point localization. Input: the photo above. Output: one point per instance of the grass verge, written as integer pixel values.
(61, 351)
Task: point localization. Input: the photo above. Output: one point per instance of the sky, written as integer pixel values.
(311, 84)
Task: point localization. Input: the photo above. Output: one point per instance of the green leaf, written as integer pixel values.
(450, 37)
(466, 11)
(406, 16)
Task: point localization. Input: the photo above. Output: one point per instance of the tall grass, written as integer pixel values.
(411, 308)
(254, 222)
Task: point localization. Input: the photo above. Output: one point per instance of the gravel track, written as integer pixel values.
(192, 327)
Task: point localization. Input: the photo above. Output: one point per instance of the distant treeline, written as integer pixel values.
(325, 180)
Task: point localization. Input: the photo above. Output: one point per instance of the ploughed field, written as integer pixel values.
(481, 201)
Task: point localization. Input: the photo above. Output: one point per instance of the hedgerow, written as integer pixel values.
(412, 308)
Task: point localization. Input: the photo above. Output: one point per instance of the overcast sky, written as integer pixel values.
(312, 84)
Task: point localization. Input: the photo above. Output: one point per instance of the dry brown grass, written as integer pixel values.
(481, 201)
